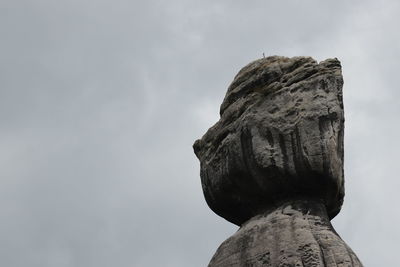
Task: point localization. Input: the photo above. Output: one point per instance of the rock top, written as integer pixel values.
(279, 138)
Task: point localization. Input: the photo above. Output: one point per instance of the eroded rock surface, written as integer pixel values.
(295, 233)
(280, 134)
(273, 164)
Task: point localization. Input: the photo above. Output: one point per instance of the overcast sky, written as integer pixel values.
(101, 101)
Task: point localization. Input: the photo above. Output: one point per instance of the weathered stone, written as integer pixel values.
(295, 233)
(273, 164)
(280, 135)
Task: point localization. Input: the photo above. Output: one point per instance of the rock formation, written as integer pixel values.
(273, 164)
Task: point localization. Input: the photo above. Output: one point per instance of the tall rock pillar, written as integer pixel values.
(273, 164)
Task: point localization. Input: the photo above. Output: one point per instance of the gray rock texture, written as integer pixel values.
(295, 233)
(280, 134)
(273, 164)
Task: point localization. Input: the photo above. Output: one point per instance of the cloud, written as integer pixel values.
(100, 102)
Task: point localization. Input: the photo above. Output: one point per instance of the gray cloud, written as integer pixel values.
(100, 102)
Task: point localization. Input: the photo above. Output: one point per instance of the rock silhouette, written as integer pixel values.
(273, 164)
